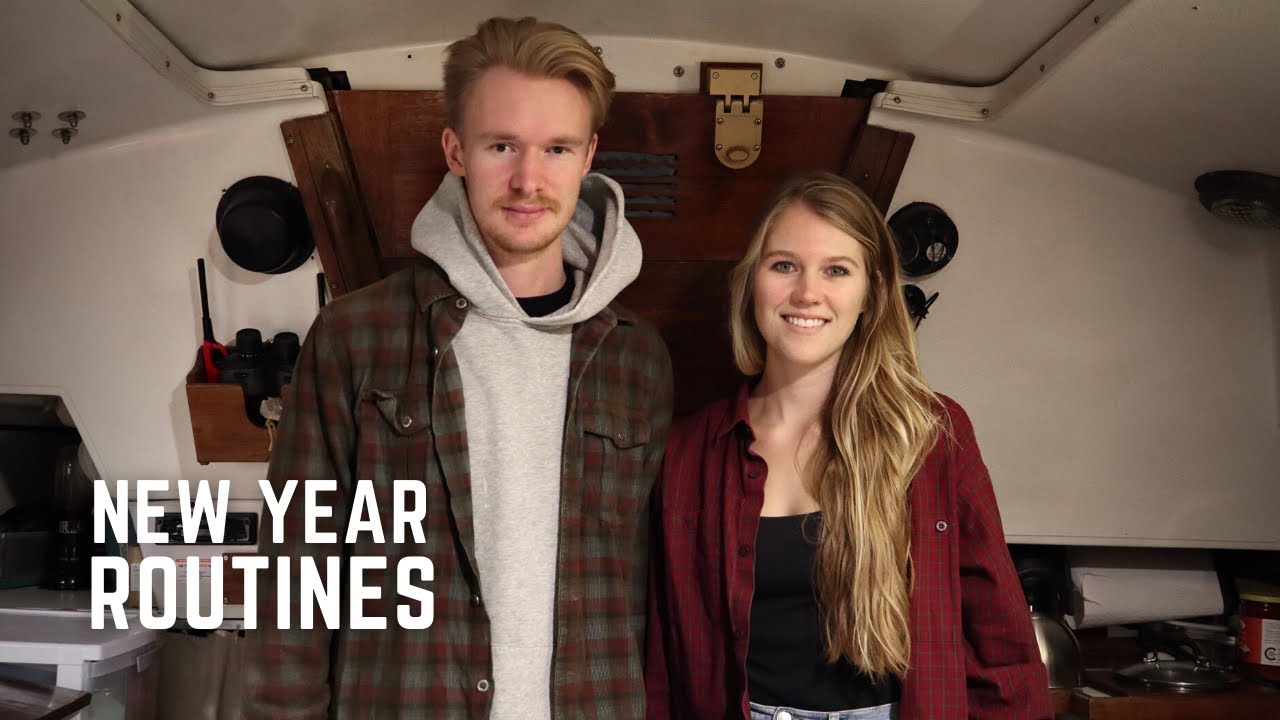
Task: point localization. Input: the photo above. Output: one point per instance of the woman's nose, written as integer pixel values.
(805, 291)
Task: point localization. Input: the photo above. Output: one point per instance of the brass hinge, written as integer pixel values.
(739, 116)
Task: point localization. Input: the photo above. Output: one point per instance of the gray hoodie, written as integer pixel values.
(515, 375)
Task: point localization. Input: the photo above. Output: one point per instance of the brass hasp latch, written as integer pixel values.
(739, 114)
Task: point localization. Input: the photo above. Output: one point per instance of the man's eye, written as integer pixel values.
(559, 150)
(501, 147)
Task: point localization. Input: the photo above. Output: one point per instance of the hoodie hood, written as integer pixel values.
(599, 246)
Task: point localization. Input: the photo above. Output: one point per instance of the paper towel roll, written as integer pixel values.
(1117, 586)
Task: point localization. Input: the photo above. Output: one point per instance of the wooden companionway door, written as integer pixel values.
(366, 169)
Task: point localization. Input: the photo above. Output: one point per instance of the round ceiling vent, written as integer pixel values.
(1241, 197)
(926, 237)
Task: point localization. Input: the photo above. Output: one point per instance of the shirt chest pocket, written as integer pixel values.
(616, 485)
(394, 440)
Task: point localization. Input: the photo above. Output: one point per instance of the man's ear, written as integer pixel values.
(591, 153)
(451, 143)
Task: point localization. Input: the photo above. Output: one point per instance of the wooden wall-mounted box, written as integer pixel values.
(219, 423)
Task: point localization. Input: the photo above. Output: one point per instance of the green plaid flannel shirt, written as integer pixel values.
(377, 395)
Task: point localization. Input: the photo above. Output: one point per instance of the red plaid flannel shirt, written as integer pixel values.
(377, 395)
(973, 652)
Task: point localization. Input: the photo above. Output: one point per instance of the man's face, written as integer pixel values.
(523, 148)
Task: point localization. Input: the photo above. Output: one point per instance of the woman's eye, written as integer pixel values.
(838, 271)
(783, 266)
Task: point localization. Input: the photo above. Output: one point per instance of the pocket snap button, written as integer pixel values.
(941, 526)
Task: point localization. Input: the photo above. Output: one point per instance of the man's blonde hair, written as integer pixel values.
(538, 49)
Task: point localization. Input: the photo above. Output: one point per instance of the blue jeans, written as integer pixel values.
(880, 712)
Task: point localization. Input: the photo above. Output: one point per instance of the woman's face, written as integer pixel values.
(810, 287)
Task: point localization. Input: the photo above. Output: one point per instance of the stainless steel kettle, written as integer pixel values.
(1059, 649)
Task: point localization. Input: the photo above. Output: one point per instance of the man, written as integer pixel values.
(531, 409)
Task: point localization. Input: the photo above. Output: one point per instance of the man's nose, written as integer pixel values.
(525, 176)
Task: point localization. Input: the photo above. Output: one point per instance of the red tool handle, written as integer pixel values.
(212, 353)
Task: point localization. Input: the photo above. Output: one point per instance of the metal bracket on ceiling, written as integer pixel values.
(739, 111)
(212, 87)
(959, 102)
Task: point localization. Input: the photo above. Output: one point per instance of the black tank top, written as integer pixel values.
(786, 664)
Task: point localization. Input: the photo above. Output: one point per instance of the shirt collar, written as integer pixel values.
(430, 284)
(736, 414)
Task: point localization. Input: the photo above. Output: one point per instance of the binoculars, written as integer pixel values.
(260, 368)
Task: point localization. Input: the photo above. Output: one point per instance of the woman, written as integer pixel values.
(829, 544)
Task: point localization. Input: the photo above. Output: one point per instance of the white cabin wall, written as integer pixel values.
(98, 289)
(1113, 343)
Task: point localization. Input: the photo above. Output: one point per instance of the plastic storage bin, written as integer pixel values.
(56, 647)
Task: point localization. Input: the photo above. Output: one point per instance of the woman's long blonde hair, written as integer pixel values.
(879, 422)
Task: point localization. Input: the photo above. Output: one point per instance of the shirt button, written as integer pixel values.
(744, 550)
(783, 715)
(435, 352)
(754, 474)
(406, 421)
(941, 526)
(460, 303)
(739, 634)
(483, 685)
(475, 601)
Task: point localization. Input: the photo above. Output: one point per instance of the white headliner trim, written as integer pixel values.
(212, 87)
(960, 102)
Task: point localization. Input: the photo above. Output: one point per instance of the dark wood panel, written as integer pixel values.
(799, 133)
(394, 140)
(877, 162)
(688, 303)
(658, 146)
(333, 200)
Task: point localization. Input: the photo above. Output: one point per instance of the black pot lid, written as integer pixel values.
(263, 227)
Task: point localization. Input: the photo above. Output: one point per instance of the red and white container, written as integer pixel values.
(1260, 612)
